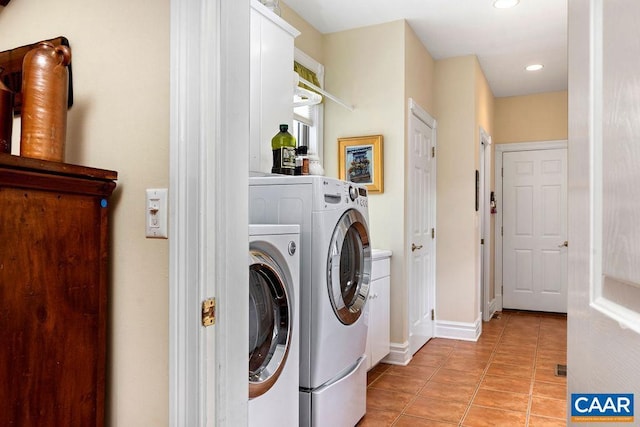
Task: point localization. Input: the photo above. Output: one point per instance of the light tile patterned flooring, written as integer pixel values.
(507, 378)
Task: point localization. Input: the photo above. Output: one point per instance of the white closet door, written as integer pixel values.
(421, 222)
(535, 230)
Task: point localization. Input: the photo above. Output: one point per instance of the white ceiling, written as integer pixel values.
(504, 40)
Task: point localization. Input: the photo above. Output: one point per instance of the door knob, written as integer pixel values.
(564, 245)
(414, 247)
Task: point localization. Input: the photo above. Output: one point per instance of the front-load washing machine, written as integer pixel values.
(274, 332)
(335, 263)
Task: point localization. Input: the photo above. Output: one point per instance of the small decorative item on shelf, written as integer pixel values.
(6, 118)
(45, 81)
(303, 158)
(315, 168)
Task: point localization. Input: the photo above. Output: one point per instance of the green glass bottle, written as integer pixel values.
(283, 146)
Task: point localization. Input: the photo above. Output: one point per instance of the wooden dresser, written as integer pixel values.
(53, 292)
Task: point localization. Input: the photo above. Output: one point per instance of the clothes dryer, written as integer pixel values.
(335, 268)
(274, 332)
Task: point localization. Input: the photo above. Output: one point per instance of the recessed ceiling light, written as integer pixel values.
(534, 67)
(505, 4)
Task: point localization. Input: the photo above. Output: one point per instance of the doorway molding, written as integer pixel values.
(208, 205)
(487, 305)
(499, 150)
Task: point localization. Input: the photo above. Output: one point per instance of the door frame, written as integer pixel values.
(208, 205)
(499, 150)
(416, 112)
(487, 306)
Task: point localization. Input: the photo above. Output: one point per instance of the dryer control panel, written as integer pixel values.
(340, 194)
(354, 194)
(358, 195)
(361, 198)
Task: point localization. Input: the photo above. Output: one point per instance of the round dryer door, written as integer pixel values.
(269, 322)
(349, 267)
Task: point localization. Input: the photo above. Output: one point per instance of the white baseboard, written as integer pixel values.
(493, 307)
(398, 354)
(459, 330)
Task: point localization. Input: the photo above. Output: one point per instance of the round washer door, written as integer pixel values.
(269, 322)
(349, 267)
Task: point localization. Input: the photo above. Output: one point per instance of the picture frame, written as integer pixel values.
(360, 161)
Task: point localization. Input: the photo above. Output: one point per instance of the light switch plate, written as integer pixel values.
(156, 213)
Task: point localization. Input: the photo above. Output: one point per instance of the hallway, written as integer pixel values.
(507, 378)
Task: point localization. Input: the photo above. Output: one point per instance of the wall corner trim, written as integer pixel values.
(398, 354)
(459, 330)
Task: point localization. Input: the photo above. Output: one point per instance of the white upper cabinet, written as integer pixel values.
(271, 83)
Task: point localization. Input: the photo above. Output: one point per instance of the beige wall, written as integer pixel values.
(539, 117)
(119, 121)
(419, 70)
(485, 102)
(485, 108)
(456, 256)
(310, 40)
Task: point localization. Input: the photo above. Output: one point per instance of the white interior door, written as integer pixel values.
(535, 230)
(421, 226)
(604, 272)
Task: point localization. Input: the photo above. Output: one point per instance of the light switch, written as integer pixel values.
(156, 213)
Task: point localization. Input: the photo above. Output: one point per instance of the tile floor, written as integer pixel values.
(507, 378)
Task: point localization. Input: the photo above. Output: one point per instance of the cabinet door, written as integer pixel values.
(370, 313)
(271, 71)
(53, 289)
(379, 320)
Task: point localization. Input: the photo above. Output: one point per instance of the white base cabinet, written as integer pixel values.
(379, 308)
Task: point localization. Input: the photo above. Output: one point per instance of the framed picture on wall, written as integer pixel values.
(360, 161)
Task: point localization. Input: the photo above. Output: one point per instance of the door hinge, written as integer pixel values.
(502, 172)
(209, 312)
(433, 151)
(482, 241)
(501, 230)
(433, 314)
(433, 233)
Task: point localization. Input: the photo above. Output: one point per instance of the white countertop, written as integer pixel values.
(380, 253)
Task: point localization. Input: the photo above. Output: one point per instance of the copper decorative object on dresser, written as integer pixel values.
(6, 118)
(45, 81)
(53, 292)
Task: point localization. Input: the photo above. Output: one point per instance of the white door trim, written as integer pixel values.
(208, 234)
(487, 306)
(499, 149)
(420, 113)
